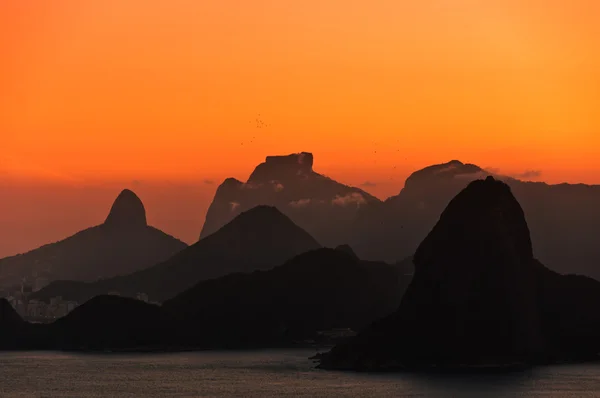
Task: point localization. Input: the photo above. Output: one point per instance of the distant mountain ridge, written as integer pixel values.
(258, 239)
(564, 219)
(122, 244)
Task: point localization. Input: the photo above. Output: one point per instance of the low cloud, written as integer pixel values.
(368, 184)
(492, 170)
(528, 174)
(354, 198)
(249, 185)
(473, 176)
(277, 186)
(209, 182)
(234, 206)
(525, 175)
(300, 203)
(449, 167)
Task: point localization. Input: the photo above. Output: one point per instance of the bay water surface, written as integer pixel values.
(277, 373)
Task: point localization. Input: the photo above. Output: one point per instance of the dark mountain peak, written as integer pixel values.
(231, 182)
(8, 315)
(484, 223)
(261, 214)
(472, 299)
(445, 171)
(281, 168)
(127, 211)
(346, 249)
(107, 308)
(263, 225)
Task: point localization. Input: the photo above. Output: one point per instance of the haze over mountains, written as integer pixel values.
(124, 243)
(564, 219)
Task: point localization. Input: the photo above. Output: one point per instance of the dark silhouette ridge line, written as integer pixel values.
(122, 244)
(479, 299)
(257, 239)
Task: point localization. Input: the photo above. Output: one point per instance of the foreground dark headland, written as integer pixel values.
(479, 298)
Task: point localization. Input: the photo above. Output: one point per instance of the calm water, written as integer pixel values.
(260, 374)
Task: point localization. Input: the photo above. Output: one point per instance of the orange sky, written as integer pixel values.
(110, 91)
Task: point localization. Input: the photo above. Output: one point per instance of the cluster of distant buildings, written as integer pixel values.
(39, 311)
(34, 310)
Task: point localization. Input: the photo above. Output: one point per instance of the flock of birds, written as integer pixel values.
(259, 125)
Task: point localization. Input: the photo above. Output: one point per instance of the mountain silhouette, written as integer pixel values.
(127, 212)
(123, 244)
(479, 297)
(107, 323)
(314, 291)
(564, 219)
(318, 204)
(258, 239)
(8, 315)
(12, 327)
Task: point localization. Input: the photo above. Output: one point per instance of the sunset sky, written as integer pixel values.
(163, 97)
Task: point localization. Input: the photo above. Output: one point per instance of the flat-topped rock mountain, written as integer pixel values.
(564, 219)
(257, 239)
(321, 206)
(479, 297)
(336, 214)
(124, 243)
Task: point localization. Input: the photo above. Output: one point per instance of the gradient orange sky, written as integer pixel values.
(97, 94)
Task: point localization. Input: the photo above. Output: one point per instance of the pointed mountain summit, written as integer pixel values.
(478, 296)
(127, 211)
(122, 244)
(258, 239)
(321, 206)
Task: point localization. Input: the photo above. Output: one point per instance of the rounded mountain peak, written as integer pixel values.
(483, 224)
(345, 248)
(442, 172)
(127, 211)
